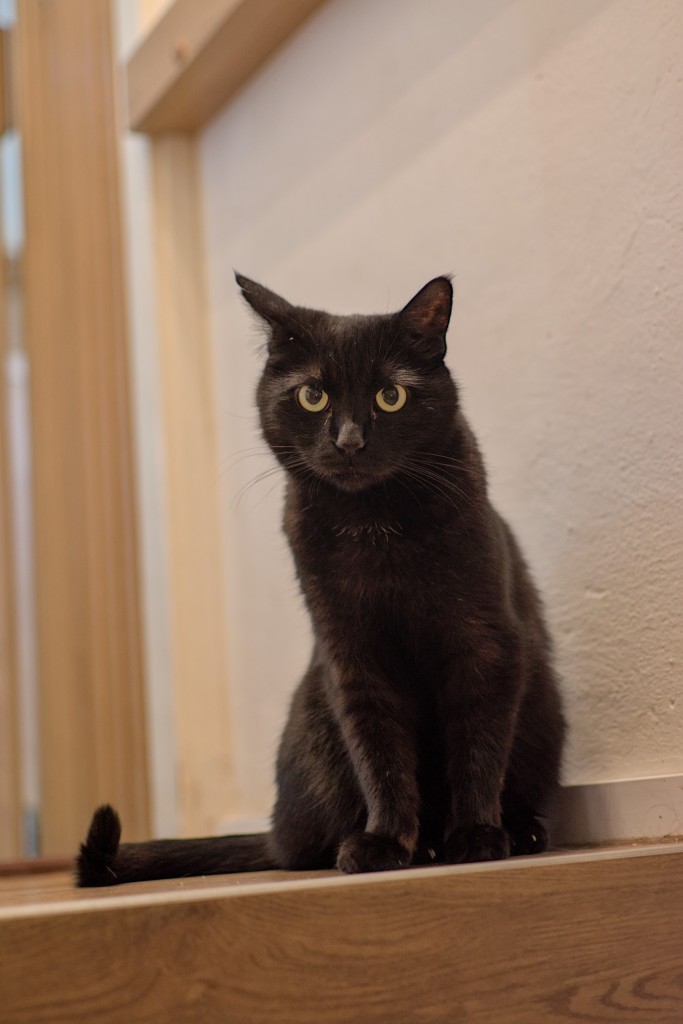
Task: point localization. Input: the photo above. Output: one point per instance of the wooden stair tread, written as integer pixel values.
(594, 935)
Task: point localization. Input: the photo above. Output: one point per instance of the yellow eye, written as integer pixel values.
(391, 398)
(312, 398)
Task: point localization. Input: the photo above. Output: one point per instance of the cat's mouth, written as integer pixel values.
(348, 474)
(348, 478)
(352, 478)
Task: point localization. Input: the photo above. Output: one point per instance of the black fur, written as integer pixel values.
(428, 727)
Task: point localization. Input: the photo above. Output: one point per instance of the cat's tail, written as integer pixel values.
(103, 860)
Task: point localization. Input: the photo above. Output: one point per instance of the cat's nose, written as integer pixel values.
(350, 438)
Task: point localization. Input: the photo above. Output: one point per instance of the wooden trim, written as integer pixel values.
(199, 54)
(553, 939)
(197, 599)
(10, 807)
(34, 866)
(626, 809)
(4, 99)
(10, 799)
(90, 666)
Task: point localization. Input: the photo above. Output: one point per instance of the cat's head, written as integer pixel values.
(354, 400)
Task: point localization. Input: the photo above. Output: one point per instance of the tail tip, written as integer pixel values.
(95, 862)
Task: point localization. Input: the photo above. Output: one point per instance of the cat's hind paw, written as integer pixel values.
(365, 851)
(528, 837)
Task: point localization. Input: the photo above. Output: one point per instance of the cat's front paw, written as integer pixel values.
(479, 842)
(365, 851)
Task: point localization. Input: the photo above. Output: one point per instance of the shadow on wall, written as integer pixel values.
(591, 474)
(619, 606)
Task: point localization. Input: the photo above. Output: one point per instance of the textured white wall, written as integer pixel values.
(534, 148)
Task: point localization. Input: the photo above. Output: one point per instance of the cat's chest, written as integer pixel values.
(369, 559)
(364, 560)
(366, 536)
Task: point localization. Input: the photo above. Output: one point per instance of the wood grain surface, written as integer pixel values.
(585, 938)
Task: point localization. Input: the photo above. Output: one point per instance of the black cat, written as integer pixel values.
(428, 727)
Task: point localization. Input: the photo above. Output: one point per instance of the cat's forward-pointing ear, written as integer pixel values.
(269, 306)
(427, 316)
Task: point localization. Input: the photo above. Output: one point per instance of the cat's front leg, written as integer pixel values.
(376, 724)
(479, 707)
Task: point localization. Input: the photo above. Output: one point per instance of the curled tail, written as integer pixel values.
(104, 861)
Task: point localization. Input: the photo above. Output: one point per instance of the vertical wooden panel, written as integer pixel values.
(10, 829)
(197, 600)
(10, 810)
(4, 118)
(93, 730)
(9, 773)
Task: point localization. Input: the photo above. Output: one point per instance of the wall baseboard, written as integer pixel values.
(599, 812)
(605, 812)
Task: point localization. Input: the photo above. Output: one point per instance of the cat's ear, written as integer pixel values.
(270, 307)
(428, 314)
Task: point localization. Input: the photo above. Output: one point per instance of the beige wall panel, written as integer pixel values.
(197, 604)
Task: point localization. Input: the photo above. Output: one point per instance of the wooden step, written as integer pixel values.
(585, 936)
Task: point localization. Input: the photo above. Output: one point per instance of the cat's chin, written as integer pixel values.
(351, 480)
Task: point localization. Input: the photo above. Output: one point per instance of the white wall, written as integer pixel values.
(535, 148)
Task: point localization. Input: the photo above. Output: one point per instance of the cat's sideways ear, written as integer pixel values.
(428, 314)
(270, 307)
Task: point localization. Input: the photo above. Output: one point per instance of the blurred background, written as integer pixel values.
(342, 152)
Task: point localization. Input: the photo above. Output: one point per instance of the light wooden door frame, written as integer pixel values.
(10, 808)
(93, 731)
(197, 601)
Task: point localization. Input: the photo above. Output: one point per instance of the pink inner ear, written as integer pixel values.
(430, 309)
(437, 312)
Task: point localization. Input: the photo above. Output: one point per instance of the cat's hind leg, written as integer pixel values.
(533, 777)
(319, 803)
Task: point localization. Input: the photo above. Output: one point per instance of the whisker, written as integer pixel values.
(245, 488)
(293, 462)
(430, 485)
(254, 450)
(443, 458)
(401, 481)
(264, 496)
(445, 484)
